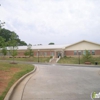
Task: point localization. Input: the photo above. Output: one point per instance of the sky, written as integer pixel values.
(57, 21)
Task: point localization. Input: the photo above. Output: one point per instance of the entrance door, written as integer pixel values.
(58, 54)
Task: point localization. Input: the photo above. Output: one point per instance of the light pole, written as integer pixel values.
(79, 55)
(38, 56)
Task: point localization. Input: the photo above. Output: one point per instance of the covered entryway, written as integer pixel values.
(59, 53)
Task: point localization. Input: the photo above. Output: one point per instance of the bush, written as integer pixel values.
(65, 56)
(87, 57)
(51, 56)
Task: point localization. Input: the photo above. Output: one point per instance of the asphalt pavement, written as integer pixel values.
(53, 82)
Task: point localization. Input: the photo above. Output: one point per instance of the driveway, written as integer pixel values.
(51, 82)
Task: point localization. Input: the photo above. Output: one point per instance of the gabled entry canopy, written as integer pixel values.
(83, 45)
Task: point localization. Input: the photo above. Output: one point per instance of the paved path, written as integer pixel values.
(52, 82)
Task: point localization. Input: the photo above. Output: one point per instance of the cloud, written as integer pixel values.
(44, 21)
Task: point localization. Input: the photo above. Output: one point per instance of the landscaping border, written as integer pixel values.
(10, 92)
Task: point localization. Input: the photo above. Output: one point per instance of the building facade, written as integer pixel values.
(56, 51)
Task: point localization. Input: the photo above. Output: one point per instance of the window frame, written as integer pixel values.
(75, 52)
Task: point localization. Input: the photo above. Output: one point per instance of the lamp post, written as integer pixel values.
(79, 55)
(38, 56)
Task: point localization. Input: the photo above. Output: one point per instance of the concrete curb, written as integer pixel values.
(10, 92)
(79, 65)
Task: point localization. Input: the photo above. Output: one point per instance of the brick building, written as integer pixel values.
(72, 50)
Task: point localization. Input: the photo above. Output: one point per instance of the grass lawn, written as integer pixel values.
(9, 74)
(69, 60)
(96, 59)
(33, 59)
(75, 60)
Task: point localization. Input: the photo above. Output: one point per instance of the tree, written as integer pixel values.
(13, 45)
(29, 51)
(26, 53)
(13, 52)
(6, 34)
(1, 24)
(87, 56)
(51, 43)
(2, 42)
(4, 51)
(22, 43)
(3, 46)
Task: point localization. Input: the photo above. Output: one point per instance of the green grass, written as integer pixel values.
(75, 60)
(32, 59)
(14, 76)
(96, 59)
(69, 60)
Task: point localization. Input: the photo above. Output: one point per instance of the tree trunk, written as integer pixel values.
(13, 54)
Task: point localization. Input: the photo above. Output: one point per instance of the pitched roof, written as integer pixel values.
(41, 47)
(81, 42)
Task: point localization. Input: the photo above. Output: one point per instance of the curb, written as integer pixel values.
(79, 65)
(10, 92)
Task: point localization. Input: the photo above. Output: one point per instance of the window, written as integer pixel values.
(89, 51)
(75, 52)
(84, 52)
(79, 52)
(45, 53)
(52, 53)
(93, 52)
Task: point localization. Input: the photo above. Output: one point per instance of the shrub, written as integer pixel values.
(51, 56)
(65, 56)
(87, 57)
